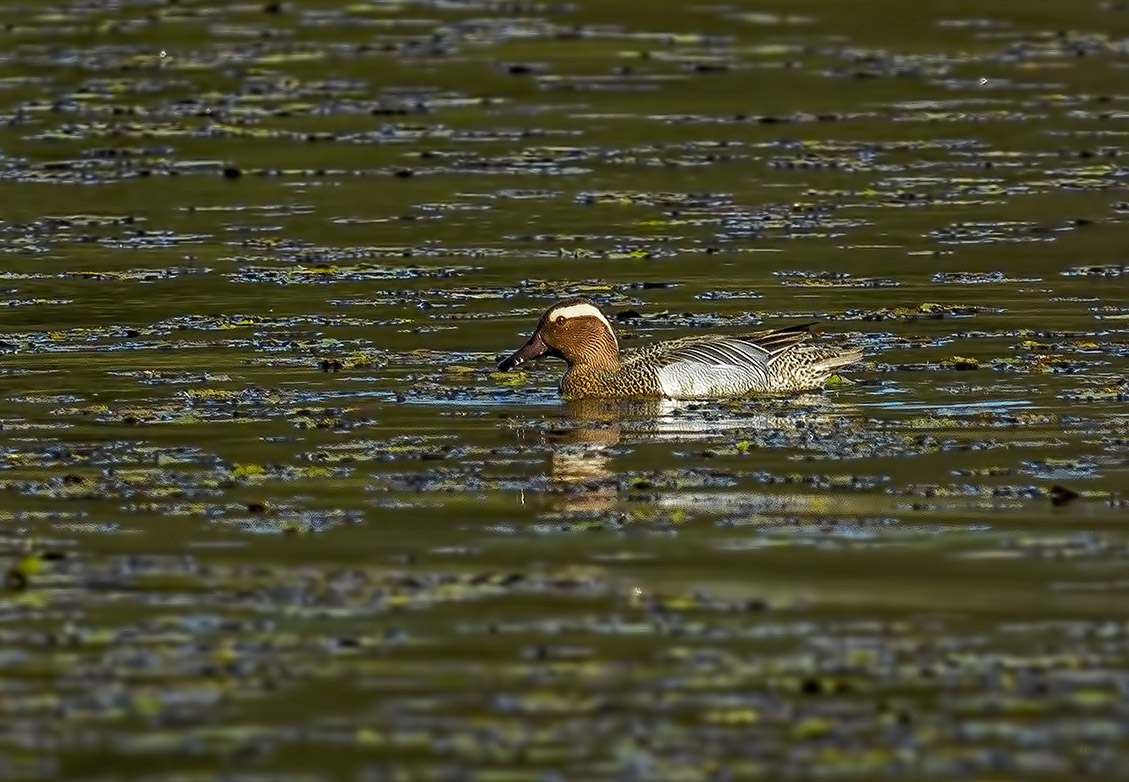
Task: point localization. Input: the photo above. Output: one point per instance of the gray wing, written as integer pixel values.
(757, 349)
(718, 365)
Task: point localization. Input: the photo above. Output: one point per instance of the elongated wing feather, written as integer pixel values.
(757, 349)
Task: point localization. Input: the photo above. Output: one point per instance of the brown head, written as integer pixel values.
(573, 329)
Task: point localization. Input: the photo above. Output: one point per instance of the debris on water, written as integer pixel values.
(1060, 495)
(932, 310)
(1099, 270)
(963, 363)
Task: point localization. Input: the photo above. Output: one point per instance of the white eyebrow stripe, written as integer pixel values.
(582, 310)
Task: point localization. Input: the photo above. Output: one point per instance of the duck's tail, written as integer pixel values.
(807, 367)
(834, 359)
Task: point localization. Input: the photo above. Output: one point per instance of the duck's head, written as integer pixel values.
(573, 329)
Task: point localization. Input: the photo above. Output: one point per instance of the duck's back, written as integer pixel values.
(724, 366)
(713, 366)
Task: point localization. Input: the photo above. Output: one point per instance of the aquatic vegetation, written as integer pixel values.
(255, 461)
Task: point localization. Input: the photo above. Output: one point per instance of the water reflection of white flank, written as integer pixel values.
(642, 420)
(580, 458)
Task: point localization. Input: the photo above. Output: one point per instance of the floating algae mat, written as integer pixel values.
(268, 512)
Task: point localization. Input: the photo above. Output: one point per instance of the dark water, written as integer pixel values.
(267, 512)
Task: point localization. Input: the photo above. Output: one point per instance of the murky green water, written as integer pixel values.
(268, 513)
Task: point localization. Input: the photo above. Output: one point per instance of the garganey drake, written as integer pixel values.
(711, 366)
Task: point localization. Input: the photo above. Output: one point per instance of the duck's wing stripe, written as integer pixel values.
(776, 341)
(717, 352)
(754, 350)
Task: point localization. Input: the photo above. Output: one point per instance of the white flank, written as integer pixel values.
(584, 310)
(704, 381)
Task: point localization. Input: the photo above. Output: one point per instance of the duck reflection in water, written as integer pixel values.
(592, 432)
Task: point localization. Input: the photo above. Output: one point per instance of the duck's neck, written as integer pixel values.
(601, 353)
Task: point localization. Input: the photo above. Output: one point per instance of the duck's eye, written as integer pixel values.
(559, 320)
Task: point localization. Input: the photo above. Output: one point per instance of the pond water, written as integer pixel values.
(268, 512)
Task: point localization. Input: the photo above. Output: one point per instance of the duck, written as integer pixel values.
(699, 367)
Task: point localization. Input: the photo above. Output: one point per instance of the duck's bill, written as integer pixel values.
(534, 347)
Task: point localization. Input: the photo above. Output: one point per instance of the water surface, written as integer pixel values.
(267, 510)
